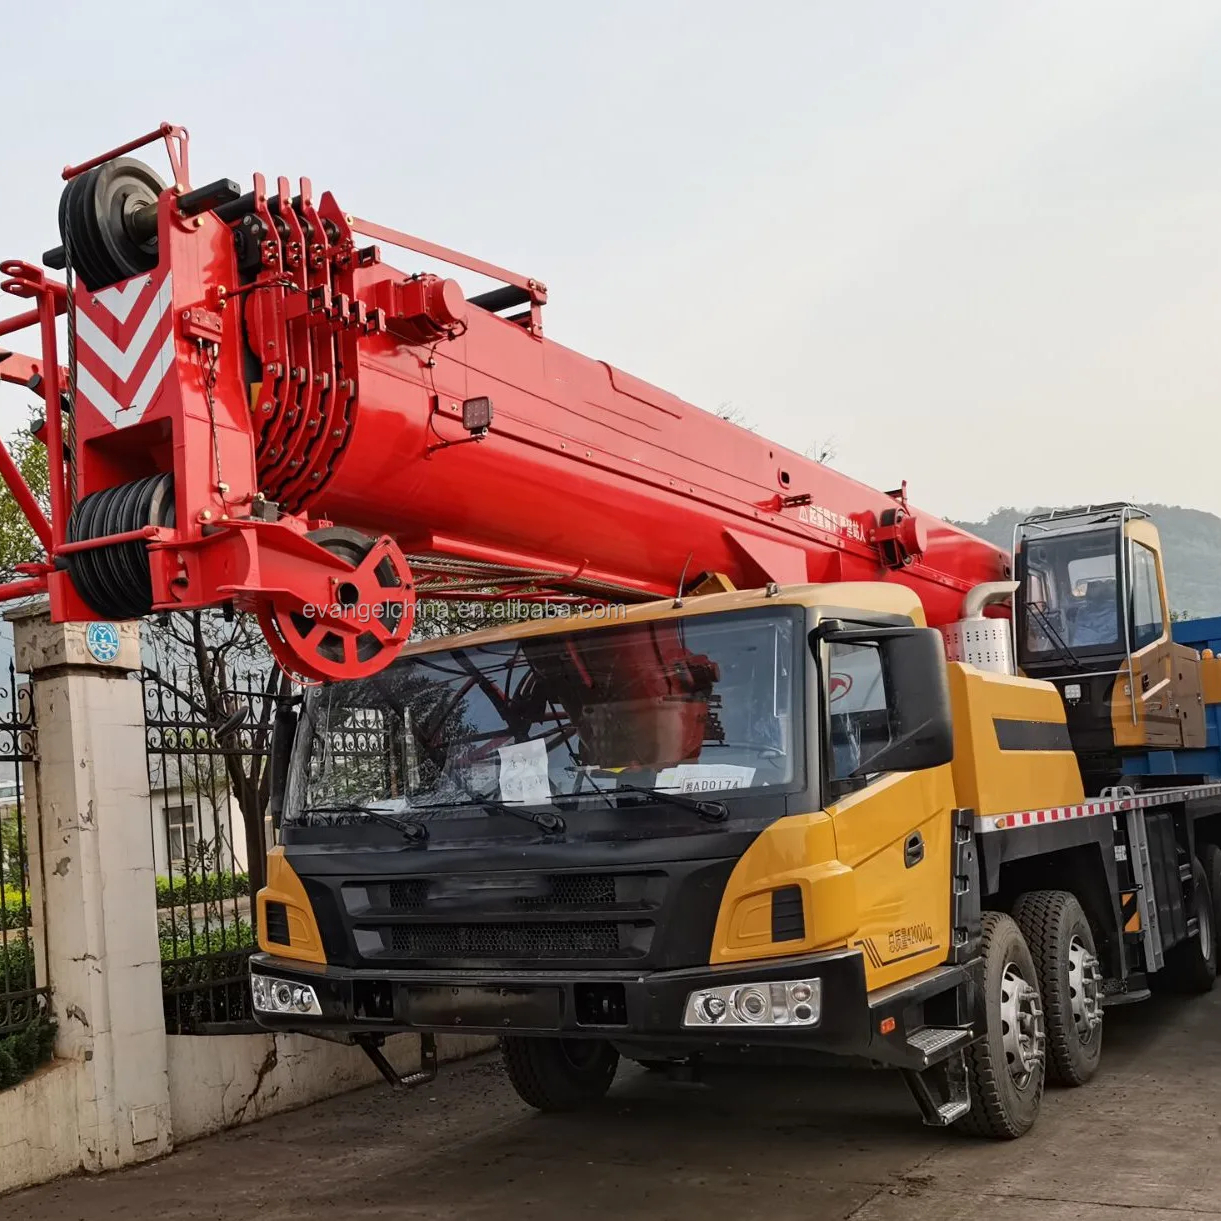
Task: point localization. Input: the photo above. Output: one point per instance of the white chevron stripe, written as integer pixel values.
(118, 301)
(122, 363)
(104, 401)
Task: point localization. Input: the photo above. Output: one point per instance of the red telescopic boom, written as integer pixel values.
(255, 409)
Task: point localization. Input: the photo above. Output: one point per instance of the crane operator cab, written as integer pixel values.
(1091, 616)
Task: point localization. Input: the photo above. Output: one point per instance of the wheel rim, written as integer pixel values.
(1204, 919)
(1084, 989)
(1021, 1025)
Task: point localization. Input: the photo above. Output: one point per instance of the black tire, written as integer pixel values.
(1062, 946)
(1211, 860)
(559, 1074)
(1004, 1103)
(1191, 966)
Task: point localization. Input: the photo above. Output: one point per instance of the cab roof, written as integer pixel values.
(875, 596)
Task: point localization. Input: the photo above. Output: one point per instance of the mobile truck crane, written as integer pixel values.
(787, 769)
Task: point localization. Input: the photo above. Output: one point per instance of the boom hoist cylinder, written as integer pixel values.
(255, 409)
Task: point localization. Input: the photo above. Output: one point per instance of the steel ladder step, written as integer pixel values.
(933, 1039)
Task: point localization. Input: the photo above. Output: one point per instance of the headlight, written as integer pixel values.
(284, 997)
(783, 1003)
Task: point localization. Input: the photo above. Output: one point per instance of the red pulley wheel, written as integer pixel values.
(365, 625)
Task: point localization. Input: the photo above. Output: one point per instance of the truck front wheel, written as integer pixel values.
(559, 1074)
(1062, 947)
(1005, 1068)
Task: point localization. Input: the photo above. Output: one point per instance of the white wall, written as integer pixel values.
(222, 1081)
(39, 1135)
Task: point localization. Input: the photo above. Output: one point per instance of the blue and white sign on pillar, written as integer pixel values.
(102, 641)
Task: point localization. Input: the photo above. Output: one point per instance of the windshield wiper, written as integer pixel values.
(549, 822)
(1054, 638)
(710, 811)
(408, 828)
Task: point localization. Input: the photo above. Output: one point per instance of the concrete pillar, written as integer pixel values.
(95, 889)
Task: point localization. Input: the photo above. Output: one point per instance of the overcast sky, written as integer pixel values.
(977, 244)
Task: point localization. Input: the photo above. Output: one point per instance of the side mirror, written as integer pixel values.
(283, 730)
(917, 696)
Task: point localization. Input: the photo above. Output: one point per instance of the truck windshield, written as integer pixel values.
(693, 705)
(1070, 596)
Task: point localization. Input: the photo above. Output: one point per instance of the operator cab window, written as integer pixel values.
(857, 708)
(1071, 599)
(1146, 605)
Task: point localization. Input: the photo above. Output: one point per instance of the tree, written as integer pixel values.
(222, 655)
(734, 415)
(823, 452)
(18, 542)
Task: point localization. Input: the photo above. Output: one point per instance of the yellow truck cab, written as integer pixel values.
(773, 823)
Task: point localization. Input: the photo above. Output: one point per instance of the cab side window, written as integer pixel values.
(1146, 605)
(857, 708)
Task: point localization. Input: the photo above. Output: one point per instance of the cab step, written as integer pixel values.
(931, 1041)
(941, 1090)
(1125, 991)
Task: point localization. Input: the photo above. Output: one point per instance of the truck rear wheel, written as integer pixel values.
(1191, 966)
(1062, 947)
(559, 1074)
(1211, 860)
(1005, 1069)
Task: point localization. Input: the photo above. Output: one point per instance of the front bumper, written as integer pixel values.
(640, 1008)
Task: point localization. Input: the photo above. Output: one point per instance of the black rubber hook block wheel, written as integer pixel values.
(1070, 981)
(1005, 1069)
(115, 580)
(105, 222)
(559, 1074)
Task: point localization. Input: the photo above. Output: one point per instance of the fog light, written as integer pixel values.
(779, 1003)
(280, 996)
(750, 1004)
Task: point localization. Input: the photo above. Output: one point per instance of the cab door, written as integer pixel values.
(1161, 705)
(893, 829)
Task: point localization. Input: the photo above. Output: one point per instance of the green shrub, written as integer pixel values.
(24, 1050)
(9, 1075)
(14, 908)
(236, 935)
(14, 914)
(204, 979)
(201, 888)
(17, 963)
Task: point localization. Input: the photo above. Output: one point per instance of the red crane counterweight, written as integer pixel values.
(265, 413)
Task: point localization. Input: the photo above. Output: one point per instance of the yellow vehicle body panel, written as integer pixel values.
(283, 886)
(1032, 766)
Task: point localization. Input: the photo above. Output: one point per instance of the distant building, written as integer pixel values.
(185, 819)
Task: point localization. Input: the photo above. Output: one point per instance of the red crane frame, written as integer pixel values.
(288, 379)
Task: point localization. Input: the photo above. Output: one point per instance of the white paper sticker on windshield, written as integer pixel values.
(704, 777)
(523, 773)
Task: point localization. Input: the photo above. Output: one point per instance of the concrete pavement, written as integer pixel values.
(1143, 1140)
